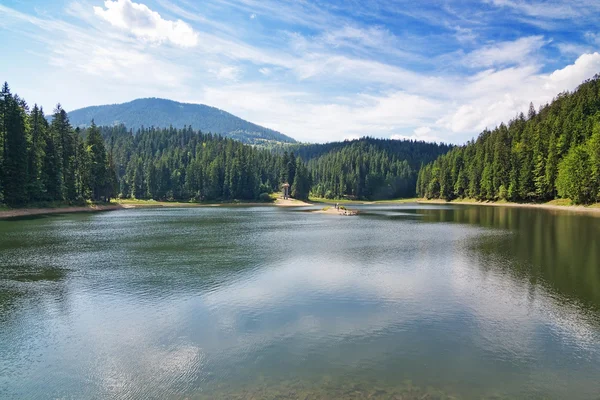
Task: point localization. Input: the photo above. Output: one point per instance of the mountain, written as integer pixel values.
(548, 154)
(162, 113)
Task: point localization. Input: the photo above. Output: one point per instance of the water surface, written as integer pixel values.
(403, 301)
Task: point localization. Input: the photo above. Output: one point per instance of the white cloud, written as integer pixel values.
(593, 38)
(493, 97)
(265, 71)
(572, 75)
(146, 24)
(550, 9)
(228, 73)
(514, 52)
(329, 86)
(252, 16)
(464, 35)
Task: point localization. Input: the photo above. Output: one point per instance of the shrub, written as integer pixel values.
(265, 197)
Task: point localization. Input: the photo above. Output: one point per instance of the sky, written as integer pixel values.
(435, 70)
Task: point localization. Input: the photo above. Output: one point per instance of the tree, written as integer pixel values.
(15, 151)
(553, 152)
(37, 152)
(301, 185)
(574, 176)
(99, 179)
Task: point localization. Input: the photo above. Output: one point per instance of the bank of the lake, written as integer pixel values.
(320, 200)
(554, 205)
(7, 212)
(119, 204)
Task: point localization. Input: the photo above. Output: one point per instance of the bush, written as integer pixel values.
(265, 197)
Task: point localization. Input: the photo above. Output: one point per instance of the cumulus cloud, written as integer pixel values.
(493, 97)
(146, 24)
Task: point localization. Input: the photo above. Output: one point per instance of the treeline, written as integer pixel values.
(367, 168)
(45, 161)
(552, 153)
(184, 164)
(413, 151)
(42, 161)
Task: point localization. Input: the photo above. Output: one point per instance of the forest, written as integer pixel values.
(367, 168)
(184, 164)
(551, 153)
(45, 161)
(49, 160)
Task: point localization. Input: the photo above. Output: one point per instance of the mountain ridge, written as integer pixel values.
(162, 113)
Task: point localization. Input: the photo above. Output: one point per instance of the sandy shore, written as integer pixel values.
(22, 212)
(333, 211)
(290, 203)
(595, 210)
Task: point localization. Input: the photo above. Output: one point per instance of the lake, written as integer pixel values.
(402, 301)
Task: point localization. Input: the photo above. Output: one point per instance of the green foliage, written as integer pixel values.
(43, 162)
(162, 113)
(366, 168)
(574, 176)
(265, 197)
(302, 182)
(553, 152)
(184, 164)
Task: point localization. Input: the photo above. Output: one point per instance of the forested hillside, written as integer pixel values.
(162, 113)
(367, 168)
(45, 161)
(552, 153)
(184, 164)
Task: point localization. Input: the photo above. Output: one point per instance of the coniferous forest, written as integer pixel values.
(52, 161)
(550, 153)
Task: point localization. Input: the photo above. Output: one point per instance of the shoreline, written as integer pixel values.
(593, 209)
(25, 212)
(279, 202)
(129, 204)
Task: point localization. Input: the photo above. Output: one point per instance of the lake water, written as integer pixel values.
(403, 301)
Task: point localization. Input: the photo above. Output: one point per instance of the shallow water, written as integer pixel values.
(403, 301)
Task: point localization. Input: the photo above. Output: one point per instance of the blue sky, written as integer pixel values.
(316, 70)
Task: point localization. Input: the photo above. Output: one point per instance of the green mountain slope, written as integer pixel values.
(365, 168)
(162, 113)
(550, 153)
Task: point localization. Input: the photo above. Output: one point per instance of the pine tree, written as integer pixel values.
(37, 152)
(574, 176)
(99, 179)
(15, 147)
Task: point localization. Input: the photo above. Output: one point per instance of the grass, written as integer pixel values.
(560, 202)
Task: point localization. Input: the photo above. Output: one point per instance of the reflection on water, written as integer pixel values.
(400, 302)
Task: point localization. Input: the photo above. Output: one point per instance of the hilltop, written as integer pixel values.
(162, 113)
